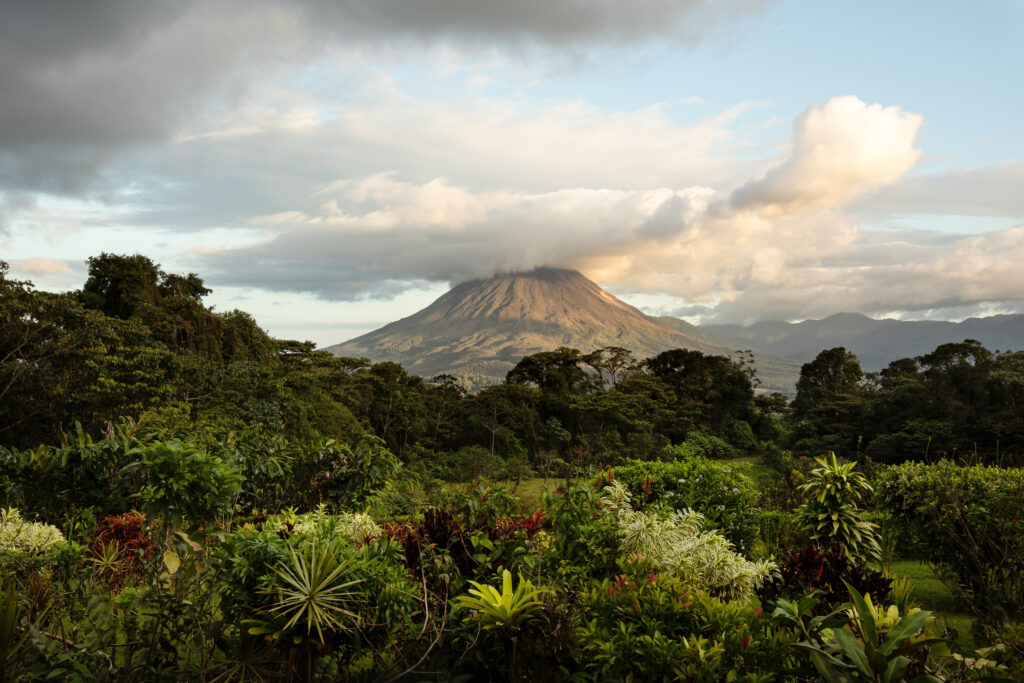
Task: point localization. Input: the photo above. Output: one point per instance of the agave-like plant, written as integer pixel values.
(312, 588)
(504, 610)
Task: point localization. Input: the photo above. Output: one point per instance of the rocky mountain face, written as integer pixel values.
(479, 329)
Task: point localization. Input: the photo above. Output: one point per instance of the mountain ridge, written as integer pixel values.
(479, 329)
(875, 341)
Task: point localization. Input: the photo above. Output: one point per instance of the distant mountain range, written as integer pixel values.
(875, 342)
(480, 329)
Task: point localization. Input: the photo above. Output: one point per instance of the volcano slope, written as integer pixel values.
(480, 329)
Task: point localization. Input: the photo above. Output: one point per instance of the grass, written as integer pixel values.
(935, 596)
(529, 489)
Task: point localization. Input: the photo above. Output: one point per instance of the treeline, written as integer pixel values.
(138, 342)
(961, 401)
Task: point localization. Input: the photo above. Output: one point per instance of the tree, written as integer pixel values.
(555, 371)
(832, 373)
(118, 285)
(714, 388)
(831, 409)
(612, 364)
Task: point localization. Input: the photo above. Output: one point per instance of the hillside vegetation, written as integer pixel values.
(183, 497)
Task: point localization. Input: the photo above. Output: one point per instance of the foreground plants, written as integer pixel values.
(865, 642)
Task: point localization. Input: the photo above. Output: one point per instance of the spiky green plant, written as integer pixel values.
(873, 646)
(505, 610)
(311, 588)
(831, 512)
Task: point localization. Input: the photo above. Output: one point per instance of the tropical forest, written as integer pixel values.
(185, 498)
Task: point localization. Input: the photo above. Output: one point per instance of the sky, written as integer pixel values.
(332, 165)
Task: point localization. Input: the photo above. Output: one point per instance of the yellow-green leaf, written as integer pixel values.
(171, 561)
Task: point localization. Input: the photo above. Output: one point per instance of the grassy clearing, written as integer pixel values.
(529, 490)
(935, 596)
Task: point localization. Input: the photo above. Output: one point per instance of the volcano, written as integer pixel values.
(480, 329)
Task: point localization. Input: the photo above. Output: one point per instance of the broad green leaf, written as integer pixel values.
(171, 561)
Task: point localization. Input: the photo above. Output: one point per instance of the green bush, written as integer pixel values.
(967, 522)
(21, 537)
(721, 495)
(678, 546)
(183, 484)
(584, 544)
(304, 473)
(779, 533)
(465, 464)
(831, 513)
(644, 626)
(77, 475)
(712, 447)
(314, 590)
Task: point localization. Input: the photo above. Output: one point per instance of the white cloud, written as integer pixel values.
(42, 266)
(781, 245)
(841, 150)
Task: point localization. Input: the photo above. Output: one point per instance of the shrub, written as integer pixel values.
(340, 475)
(969, 523)
(474, 529)
(715, 491)
(779, 533)
(677, 546)
(356, 527)
(830, 513)
(312, 594)
(646, 626)
(867, 643)
(120, 546)
(584, 544)
(826, 573)
(79, 474)
(465, 464)
(20, 537)
(183, 484)
(702, 445)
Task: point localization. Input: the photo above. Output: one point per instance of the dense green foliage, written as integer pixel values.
(831, 510)
(721, 496)
(969, 522)
(185, 498)
(959, 400)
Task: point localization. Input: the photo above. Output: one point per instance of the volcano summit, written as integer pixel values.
(480, 329)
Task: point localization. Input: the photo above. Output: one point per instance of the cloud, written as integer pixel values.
(390, 230)
(83, 83)
(543, 21)
(879, 276)
(43, 266)
(12, 204)
(990, 191)
(841, 149)
(784, 244)
(481, 145)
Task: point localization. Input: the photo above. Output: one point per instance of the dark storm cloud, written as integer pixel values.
(82, 81)
(545, 21)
